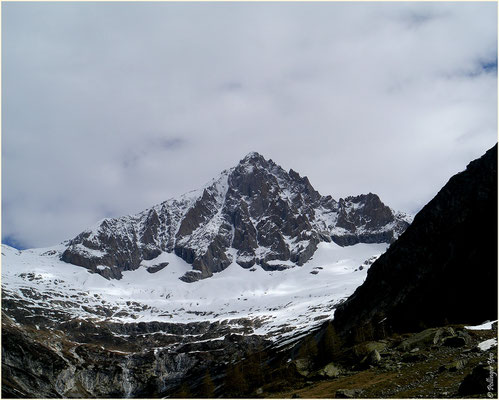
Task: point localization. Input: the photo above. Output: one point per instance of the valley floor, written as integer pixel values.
(434, 371)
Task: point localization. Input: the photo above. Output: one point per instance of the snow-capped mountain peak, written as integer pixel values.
(254, 214)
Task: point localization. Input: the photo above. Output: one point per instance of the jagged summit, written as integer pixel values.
(252, 161)
(252, 155)
(255, 160)
(255, 213)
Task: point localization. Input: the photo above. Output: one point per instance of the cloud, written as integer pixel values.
(109, 108)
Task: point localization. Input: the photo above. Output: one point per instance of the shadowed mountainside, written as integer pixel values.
(443, 268)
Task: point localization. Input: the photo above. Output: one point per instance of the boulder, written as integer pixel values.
(426, 338)
(302, 366)
(191, 276)
(363, 349)
(156, 268)
(482, 380)
(454, 341)
(331, 370)
(465, 335)
(347, 393)
(373, 358)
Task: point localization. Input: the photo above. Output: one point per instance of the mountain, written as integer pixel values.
(152, 328)
(443, 268)
(255, 213)
(137, 321)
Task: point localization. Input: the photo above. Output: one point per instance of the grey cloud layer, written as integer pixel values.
(109, 108)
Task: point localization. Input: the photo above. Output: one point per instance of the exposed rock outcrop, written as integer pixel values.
(253, 214)
(77, 358)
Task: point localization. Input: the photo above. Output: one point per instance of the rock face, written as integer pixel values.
(82, 359)
(443, 268)
(254, 213)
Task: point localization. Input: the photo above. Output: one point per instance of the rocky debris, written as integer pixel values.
(414, 283)
(373, 358)
(253, 214)
(482, 380)
(453, 366)
(413, 357)
(191, 276)
(304, 368)
(426, 338)
(331, 370)
(347, 393)
(367, 263)
(432, 370)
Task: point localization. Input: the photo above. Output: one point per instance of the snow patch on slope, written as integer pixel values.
(487, 344)
(485, 326)
(284, 303)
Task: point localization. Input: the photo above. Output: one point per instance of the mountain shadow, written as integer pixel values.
(443, 268)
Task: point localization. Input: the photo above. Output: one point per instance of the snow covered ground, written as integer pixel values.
(487, 344)
(484, 326)
(296, 298)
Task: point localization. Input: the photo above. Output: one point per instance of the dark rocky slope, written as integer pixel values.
(254, 213)
(443, 268)
(88, 359)
(440, 362)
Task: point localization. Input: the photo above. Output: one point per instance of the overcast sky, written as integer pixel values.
(110, 108)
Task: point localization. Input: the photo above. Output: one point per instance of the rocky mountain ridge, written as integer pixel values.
(253, 214)
(443, 268)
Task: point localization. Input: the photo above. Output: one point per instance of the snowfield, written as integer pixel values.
(284, 303)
